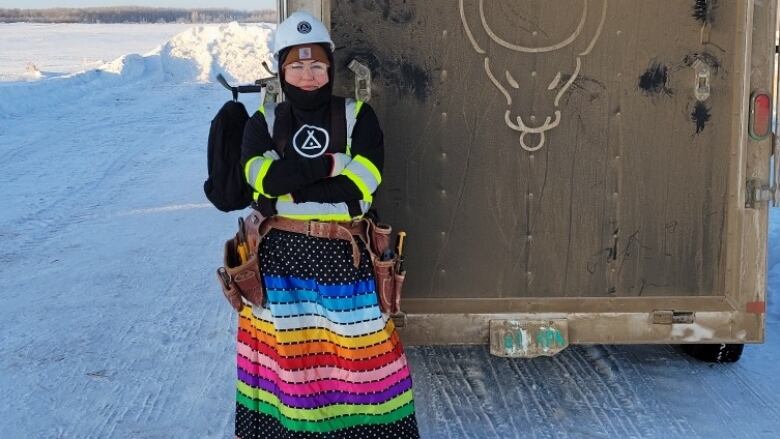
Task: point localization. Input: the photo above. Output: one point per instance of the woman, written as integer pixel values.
(319, 358)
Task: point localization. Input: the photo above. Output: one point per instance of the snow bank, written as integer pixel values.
(195, 55)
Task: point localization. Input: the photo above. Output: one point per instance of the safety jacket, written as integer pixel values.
(295, 176)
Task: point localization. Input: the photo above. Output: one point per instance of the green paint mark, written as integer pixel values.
(543, 338)
(519, 337)
(547, 338)
(508, 341)
(559, 338)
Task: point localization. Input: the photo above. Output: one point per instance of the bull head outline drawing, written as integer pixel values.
(577, 35)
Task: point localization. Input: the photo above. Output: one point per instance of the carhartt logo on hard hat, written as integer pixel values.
(304, 27)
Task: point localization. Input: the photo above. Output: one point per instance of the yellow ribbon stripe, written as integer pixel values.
(322, 334)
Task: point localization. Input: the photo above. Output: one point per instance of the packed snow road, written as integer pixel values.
(113, 324)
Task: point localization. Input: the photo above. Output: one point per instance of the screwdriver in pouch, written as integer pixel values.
(224, 276)
(241, 246)
(387, 255)
(399, 249)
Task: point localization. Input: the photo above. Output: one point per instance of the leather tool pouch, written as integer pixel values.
(246, 276)
(243, 279)
(389, 283)
(230, 290)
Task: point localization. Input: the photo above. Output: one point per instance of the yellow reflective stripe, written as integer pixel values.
(364, 174)
(359, 183)
(261, 109)
(358, 106)
(322, 217)
(248, 166)
(370, 167)
(255, 195)
(349, 153)
(286, 197)
(261, 175)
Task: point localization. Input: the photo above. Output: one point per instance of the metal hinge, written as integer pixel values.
(758, 192)
(273, 87)
(671, 317)
(362, 80)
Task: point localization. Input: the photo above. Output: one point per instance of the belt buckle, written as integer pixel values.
(314, 228)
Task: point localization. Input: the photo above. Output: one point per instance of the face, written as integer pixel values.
(307, 75)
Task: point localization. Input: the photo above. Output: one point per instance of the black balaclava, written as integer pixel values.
(308, 100)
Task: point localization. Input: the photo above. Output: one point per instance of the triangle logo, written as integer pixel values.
(311, 141)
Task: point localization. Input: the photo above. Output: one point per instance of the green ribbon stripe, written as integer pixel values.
(351, 414)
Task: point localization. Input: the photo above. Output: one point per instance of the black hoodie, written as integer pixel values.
(304, 169)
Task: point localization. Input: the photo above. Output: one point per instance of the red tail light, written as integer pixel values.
(760, 115)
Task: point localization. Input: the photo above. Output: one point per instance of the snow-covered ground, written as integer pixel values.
(30, 51)
(112, 324)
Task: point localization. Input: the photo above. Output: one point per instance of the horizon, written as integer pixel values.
(246, 5)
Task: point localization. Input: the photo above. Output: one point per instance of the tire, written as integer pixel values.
(714, 353)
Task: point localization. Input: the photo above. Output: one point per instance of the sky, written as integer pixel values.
(188, 4)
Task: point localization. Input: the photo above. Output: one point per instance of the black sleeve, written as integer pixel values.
(284, 175)
(336, 189)
(256, 140)
(367, 142)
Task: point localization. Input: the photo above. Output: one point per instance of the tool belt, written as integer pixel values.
(240, 277)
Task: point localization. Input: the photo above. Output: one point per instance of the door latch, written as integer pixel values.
(671, 317)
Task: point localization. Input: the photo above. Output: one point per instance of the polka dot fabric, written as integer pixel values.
(320, 360)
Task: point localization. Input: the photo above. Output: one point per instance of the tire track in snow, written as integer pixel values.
(441, 403)
(589, 366)
(608, 367)
(532, 408)
(765, 401)
(539, 407)
(546, 384)
(586, 394)
(680, 427)
(711, 394)
(473, 378)
(505, 408)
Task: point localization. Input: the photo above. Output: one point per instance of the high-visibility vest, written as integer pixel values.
(361, 171)
(351, 110)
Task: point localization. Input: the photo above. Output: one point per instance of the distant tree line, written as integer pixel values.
(133, 14)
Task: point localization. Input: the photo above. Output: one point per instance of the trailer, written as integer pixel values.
(571, 171)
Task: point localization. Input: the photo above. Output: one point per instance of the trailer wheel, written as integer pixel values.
(714, 353)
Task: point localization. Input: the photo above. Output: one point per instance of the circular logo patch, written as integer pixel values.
(304, 27)
(310, 141)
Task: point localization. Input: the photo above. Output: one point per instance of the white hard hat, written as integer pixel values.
(299, 28)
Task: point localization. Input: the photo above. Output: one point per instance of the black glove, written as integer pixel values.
(266, 206)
